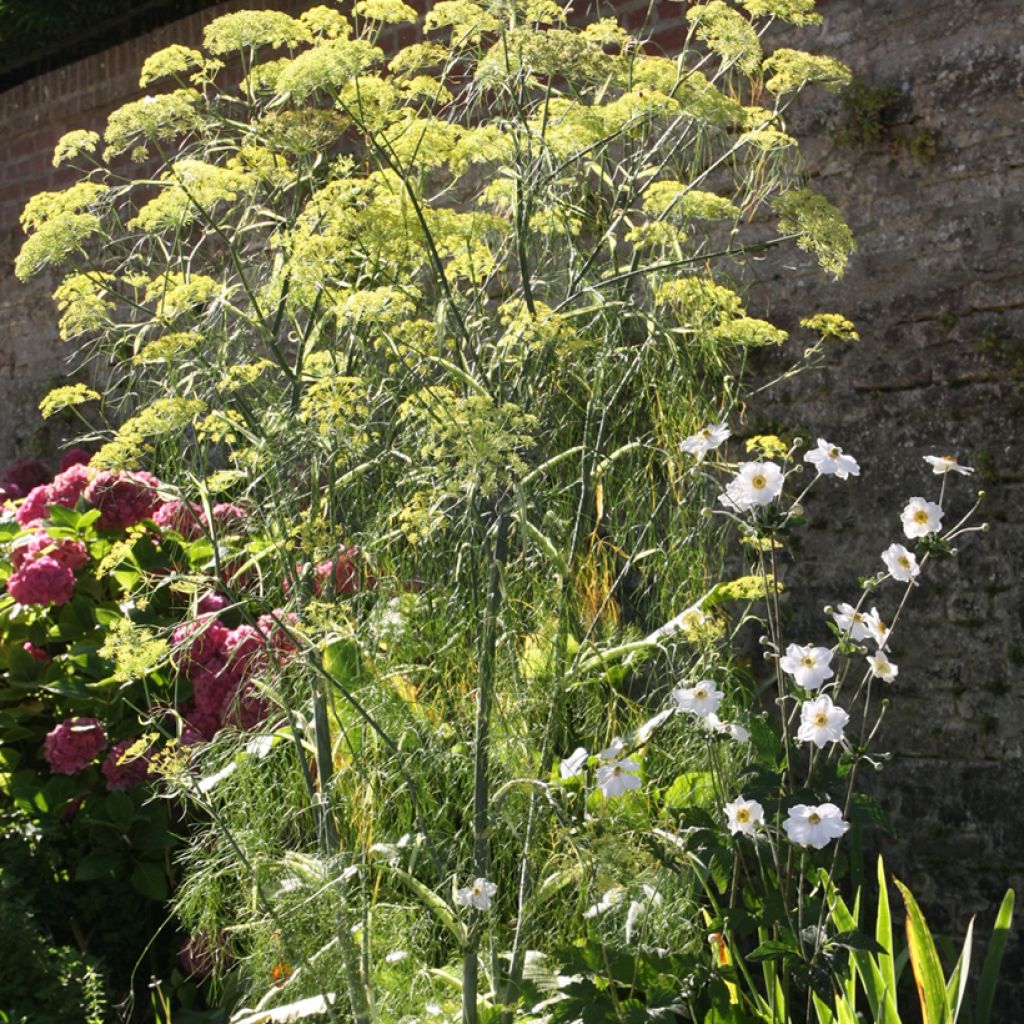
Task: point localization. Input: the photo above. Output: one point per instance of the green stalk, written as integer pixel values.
(481, 769)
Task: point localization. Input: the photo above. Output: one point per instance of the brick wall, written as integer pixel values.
(936, 289)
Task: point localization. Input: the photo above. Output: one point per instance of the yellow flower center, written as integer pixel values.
(807, 661)
(834, 452)
(820, 718)
(814, 818)
(743, 815)
(903, 561)
(759, 482)
(921, 515)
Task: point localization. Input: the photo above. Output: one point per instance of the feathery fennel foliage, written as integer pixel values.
(456, 309)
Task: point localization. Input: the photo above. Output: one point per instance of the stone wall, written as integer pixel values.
(937, 291)
(932, 187)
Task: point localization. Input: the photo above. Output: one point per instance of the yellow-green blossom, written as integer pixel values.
(469, 21)
(249, 30)
(790, 70)
(74, 144)
(326, 22)
(819, 225)
(389, 12)
(327, 66)
(750, 332)
(151, 119)
(831, 325)
(191, 190)
(66, 397)
(797, 12)
(168, 347)
(84, 304)
(727, 33)
(171, 60)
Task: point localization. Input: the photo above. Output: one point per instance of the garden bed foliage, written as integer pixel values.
(386, 632)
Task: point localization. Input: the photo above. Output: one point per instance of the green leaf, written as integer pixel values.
(957, 984)
(150, 880)
(854, 939)
(993, 960)
(343, 662)
(96, 865)
(691, 789)
(883, 931)
(924, 960)
(772, 950)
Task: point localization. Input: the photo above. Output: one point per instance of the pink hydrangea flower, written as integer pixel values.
(35, 652)
(276, 636)
(69, 485)
(65, 490)
(127, 774)
(34, 507)
(183, 517)
(248, 710)
(197, 643)
(214, 685)
(42, 581)
(71, 554)
(70, 746)
(26, 474)
(229, 518)
(75, 457)
(197, 726)
(244, 649)
(211, 604)
(123, 499)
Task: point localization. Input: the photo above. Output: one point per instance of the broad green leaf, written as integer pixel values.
(993, 960)
(924, 960)
(883, 930)
(150, 880)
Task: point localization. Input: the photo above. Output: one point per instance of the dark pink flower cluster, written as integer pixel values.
(70, 746)
(65, 489)
(44, 569)
(221, 664)
(183, 517)
(42, 581)
(190, 521)
(20, 476)
(124, 774)
(123, 499)
(72, 554)
(340, 575)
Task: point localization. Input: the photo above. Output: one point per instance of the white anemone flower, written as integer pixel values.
(755, 484)
(477, 895)
(618, 777)
(744, 816)
(942, 464)
(614, 750)
(611, 899)
(713, 436)
(877, 629)
(640, 907)
(700, 700)
(733, 729)
(881, 667)
(821, 722)
(901, 563)
(808, 665)
(647, 730)
(815, 826)
(921, 517)
(572, 767)
(830, 460)
(852, 622)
